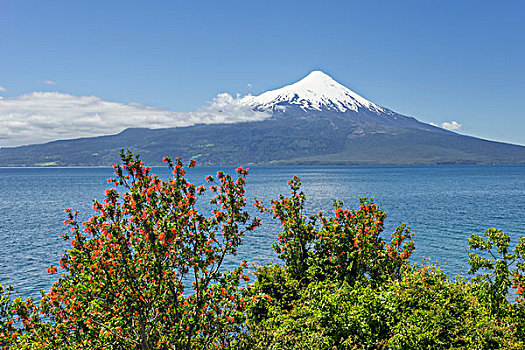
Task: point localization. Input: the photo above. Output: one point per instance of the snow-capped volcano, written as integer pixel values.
(313, 121)
(315, 92)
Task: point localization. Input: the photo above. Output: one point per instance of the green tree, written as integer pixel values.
(297, 231)
(498, 268)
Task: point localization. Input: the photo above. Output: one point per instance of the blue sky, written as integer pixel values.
(438, 61)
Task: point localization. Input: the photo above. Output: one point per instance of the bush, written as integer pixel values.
(420, 310)
(346, 247)
(124, 281)
(503, 267)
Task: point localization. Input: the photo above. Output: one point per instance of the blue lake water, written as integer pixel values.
(442, 204)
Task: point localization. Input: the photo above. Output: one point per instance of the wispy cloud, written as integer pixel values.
(46, 116)
(48, 82)
(2, 89)
(452, 125)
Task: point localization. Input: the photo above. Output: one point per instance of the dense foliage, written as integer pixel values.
(146, 271)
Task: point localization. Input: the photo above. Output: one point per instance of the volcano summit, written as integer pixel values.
(313, 121)
(316, 92)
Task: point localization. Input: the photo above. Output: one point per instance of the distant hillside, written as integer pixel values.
(314, 121)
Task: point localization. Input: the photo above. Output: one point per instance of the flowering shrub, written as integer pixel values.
(124, 283)
(347, 247)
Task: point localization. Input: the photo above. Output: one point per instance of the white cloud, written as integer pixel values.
(453, 125)
(2, 89)
(46, 116)
(49, 82)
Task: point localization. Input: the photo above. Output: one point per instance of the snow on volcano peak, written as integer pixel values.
(316, 91)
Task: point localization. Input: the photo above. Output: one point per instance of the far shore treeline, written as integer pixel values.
(147, 271)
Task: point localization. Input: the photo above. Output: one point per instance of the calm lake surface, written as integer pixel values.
(442, 204)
